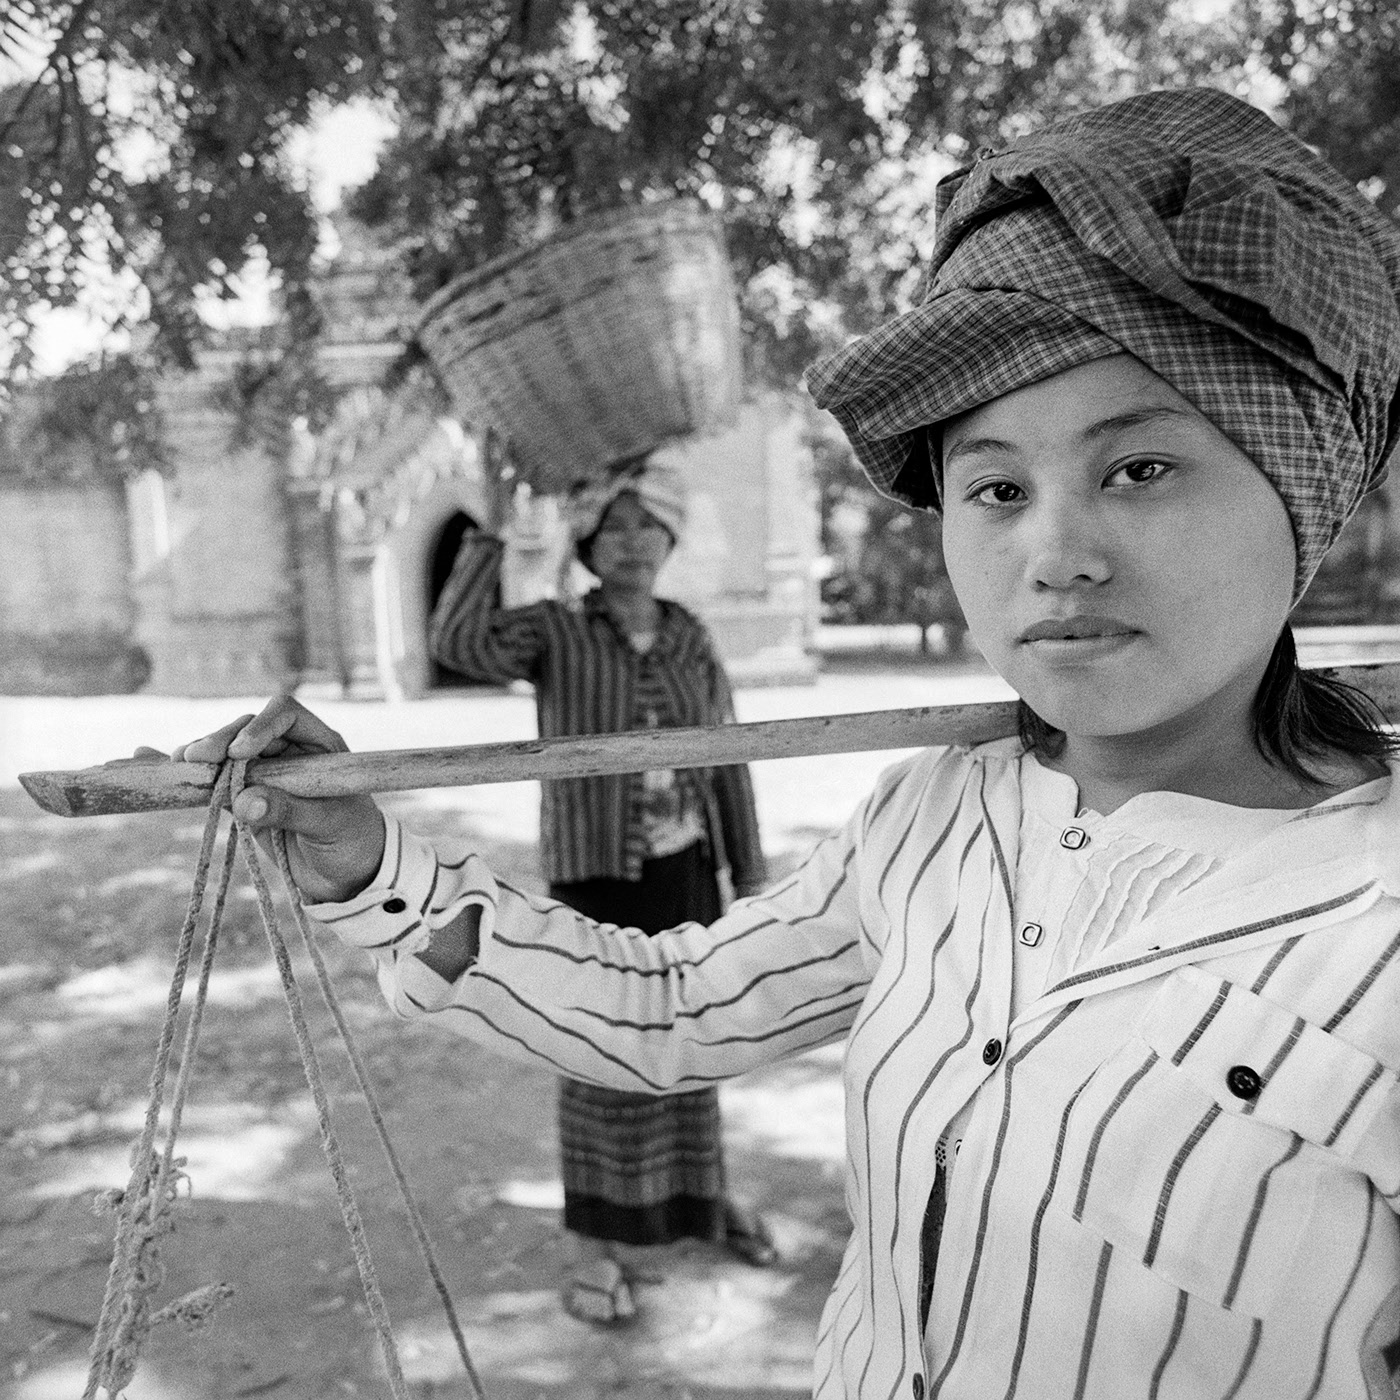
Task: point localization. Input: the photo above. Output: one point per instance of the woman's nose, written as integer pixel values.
(1064, 547)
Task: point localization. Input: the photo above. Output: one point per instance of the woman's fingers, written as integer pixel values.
(271, 809)
(212, 748)
(335, 845)
(285, 723)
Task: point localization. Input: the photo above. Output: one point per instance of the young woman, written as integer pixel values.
(1120, 999)
(643, 850)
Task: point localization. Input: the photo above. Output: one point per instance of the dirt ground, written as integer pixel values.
(90, 914)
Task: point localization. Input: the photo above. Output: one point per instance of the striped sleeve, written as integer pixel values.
(471, 634)
(778, 974)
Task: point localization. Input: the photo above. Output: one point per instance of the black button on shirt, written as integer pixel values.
(1243, 1082)
(917, 1386)
(991, 1051)
(394, 905)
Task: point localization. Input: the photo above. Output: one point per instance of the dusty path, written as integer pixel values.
(86, 937)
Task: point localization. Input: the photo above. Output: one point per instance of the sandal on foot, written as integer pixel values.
(600, 1294)
(746, 1235)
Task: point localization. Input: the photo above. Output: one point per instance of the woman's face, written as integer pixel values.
(630, 545)
(1120, 561)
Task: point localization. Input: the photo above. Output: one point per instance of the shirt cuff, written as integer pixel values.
(391, 911)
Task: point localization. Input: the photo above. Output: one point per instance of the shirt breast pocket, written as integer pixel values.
(1200, 1145)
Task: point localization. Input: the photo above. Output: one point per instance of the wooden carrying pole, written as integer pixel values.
(143, 785)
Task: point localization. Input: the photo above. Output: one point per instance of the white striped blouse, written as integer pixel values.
(1181, 1160)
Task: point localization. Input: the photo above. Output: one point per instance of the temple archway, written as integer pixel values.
(444, 553)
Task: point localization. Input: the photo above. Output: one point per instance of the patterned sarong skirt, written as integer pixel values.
(643, 1168)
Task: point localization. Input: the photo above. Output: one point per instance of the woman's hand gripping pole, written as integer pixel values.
(334, 844)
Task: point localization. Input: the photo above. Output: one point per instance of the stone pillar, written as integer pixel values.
(223, 620)
(66, 617)
(747, 563)
(314, 530)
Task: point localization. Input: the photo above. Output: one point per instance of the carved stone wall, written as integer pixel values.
(217, 614)
(747, 561)
(247, 572)
(66, 611)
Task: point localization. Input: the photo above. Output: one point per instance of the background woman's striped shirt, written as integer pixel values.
(589, 680)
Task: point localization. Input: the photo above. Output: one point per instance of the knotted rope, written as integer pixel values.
(420, 1233)
(144, 1209)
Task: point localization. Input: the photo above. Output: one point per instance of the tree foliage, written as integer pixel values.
(152, 144)
(757, 109)
(886, 562)
(1339, 62)
(812, 125)
(151, 148)
(98, 422)
(146, 145)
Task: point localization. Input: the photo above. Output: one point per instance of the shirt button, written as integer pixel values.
(1030, 934)
(917, 1386)
(394, 905)
(991, 1051)
(1073, 837)
(1243, 1082)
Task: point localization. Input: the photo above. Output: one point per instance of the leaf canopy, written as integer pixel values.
(146, 146)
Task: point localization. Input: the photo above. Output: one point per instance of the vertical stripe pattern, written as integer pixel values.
(589, 680)
(1127, 1214)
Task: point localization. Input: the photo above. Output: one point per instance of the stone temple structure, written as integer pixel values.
(242, 571)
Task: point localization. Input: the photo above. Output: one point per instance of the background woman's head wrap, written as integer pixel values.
(657, 482)
(1187, 229)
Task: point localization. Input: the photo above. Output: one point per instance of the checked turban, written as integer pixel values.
(658, 483)
(1187, 229)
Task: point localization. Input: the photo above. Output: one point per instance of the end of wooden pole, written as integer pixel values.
(49, 791)
(125, 785)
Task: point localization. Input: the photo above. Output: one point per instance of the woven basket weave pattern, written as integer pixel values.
(596, 346)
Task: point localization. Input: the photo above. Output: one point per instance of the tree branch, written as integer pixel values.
(493, 50)
(56, 54)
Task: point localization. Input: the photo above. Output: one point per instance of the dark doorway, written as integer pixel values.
(454, 529)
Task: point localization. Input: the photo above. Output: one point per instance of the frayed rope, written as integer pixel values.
(145, 1209)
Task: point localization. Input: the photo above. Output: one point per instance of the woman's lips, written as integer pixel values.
(1085, 628)
(1081, 648)
(1078, 639)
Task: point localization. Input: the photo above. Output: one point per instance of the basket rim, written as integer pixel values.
(445, 343)
(654, 210)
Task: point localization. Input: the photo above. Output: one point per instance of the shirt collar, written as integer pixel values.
(1358, 829)
(668, 627)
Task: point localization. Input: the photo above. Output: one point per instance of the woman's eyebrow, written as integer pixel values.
(1115, 423)
(971, 446)
(1136, 418)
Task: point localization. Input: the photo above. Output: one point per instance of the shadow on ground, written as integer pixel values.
(85, 951)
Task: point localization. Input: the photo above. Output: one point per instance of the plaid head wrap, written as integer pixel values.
(658, 483)
(1184, 228)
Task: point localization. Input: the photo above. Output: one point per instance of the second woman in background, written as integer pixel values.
(644, 850)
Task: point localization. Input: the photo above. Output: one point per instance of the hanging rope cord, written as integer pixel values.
(143, 1209)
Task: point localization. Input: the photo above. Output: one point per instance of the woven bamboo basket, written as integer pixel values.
(620, 332)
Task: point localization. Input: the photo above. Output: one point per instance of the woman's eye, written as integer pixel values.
(1136, 473)
(998, 493)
